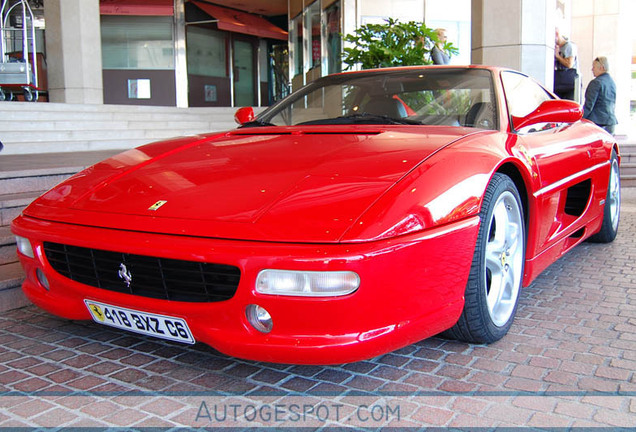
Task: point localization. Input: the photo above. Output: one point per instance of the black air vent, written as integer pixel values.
(159, 278)
(578, 197)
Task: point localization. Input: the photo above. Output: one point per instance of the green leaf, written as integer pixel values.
(391, 44)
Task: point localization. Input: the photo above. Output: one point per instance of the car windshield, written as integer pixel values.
(426, 96)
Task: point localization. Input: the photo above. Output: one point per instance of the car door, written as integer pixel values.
(561, 151)
(564, 155)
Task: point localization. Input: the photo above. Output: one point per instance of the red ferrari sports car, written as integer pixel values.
(363, 213)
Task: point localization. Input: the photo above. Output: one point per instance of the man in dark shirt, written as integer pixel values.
(600, 96)
(567, 81)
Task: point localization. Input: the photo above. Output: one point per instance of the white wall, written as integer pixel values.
(375, 11)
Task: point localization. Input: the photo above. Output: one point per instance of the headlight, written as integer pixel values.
(24, 246)
(307, 283)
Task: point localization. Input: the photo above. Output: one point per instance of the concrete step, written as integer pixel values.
(628, 152)
(11, 296)
(12, 204)
(118, 122)
(6, 237)
(40, 172)
(628, 181)
(628, 158)
(49, 128)
(17, 185)
(61, 111)
(25, 177)
(73, 146)
(115, 114)
(22, 179)
(104, 130)
(11, 273)
(8, 252)
(628, 169)
(90, 140)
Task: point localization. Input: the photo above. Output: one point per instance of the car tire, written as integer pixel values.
(612, 209)
(494, 283)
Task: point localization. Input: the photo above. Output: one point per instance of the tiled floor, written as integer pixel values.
(569, 361)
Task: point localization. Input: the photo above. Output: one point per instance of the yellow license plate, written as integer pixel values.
(161, 326)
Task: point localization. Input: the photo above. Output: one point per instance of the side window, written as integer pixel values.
(523, 95)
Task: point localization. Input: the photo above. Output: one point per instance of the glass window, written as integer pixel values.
(455, 17)
(523, 94)
(453, 97)
(244, 94)
(137, 42)
(312, 16)
(296, 37)
(334, 38)
(206, 52)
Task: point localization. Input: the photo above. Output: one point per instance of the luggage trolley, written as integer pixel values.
(18, 73)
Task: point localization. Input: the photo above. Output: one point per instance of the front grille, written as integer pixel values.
(159, 278)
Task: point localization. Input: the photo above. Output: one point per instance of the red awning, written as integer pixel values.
(137, 7)
(242, 22)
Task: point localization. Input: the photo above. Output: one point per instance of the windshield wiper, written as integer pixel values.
(361, 118)
(364, 117)
(256, 123)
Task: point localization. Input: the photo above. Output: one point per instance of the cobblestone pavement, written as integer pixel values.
(569, 361)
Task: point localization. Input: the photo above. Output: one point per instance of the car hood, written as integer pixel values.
(268, 184)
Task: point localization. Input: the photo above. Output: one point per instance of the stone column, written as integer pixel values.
(180, 57)
(74, 55)
(518, 34)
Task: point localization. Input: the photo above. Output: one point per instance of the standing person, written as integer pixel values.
(438, 55)
(600, 96)
(566, 65)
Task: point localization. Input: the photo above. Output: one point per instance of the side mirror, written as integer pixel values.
(244, 115)
(551, 111)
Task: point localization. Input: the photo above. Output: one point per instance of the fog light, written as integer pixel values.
(42, 278)
(24, 246)
(307, 283)
(259, 318)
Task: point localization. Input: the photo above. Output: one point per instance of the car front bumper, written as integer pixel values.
(411, 288)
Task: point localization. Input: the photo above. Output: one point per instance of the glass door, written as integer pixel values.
(244, 73)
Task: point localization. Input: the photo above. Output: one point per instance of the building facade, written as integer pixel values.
(154, 52)
(207, 53)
